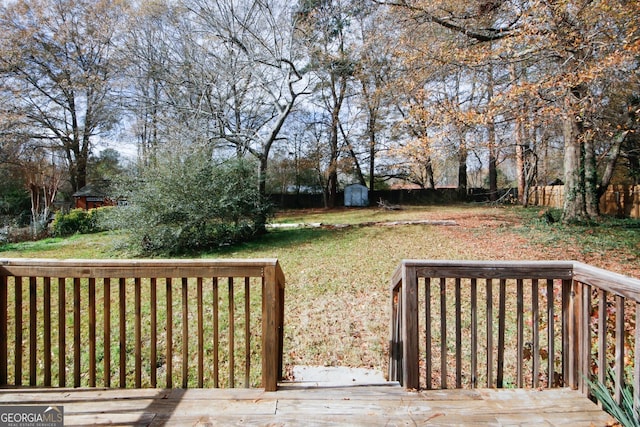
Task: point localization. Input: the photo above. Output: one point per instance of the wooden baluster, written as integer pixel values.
(33, 331)
(153, 307)
(232, 332)
(169, 349)
(47, 332)
(501, 332)
(185, 332)
(602, 336)
(428, 335)
(394, 350)
(575, 308)
(585, 339)
(400, 361)
(474, 333)
(535, 324)
(107, 331)
(18, 331)
(520, 332)
(443, 333)
(247, 332)
(4, 345)
(458, 334)
(62, 344)
(200, 334)
(137, 332)
(123, 332)
(636, 362)
(92, 332)
(550, 335)
(216, 335)
(489, 333)
(76, 332)
(619, 380)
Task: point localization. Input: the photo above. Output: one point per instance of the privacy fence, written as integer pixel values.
(618, 200)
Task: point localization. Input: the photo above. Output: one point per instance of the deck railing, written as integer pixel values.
(135, 323)
(472, 324)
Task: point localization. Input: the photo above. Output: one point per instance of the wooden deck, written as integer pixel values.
(312, 404)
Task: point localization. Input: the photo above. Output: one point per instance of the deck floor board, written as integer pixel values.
(303, 404)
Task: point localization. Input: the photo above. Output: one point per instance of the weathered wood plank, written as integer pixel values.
(77, 319)
(137, 334)
(519, 332)
(296, 404)
(410, 350)
(121, 419)
(489, 327)
(200, 320)
(492, 269)
(18, 331)
(185, 333)
(131, 268)
(428, 334)
(92, 332)
(232, 334)
(122, 292)
(33, 330)
(611, 282)
(4, 345)
(247, 331)
(619, 357)
(106, 310)
(443, 332)
(47, 332)
(535, 325)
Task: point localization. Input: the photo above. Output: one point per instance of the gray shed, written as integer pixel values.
(356, 195)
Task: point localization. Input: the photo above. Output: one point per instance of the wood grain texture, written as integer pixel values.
(297, 404)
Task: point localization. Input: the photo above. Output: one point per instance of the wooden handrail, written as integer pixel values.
(556, 323)
(123, 295)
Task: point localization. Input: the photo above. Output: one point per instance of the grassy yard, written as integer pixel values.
(337, 300)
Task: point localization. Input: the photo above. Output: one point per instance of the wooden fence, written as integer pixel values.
(133, 322)
(465, 324)
(618, 200)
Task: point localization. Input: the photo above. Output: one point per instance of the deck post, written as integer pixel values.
(271, 328)
(410, 351)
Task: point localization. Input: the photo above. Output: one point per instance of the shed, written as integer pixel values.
(93, 195)
(356, 195)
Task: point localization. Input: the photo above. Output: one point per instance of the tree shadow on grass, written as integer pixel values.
(281, 238)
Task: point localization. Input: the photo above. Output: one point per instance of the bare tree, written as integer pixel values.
(56, 61)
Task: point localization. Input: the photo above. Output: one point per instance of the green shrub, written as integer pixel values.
(192, 203)
(77, 221)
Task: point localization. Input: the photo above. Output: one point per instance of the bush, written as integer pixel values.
(190, 204)
(77, 221)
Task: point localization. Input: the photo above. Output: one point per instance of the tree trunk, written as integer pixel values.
(520, 165)
(590, 176)
(493, 162)
(580, 192)
(462, 169)
(372, 152)
(574, 208)
(428, 172)
(612, 159)
(261, 221)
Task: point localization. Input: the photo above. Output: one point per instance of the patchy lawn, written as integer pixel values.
(337, 296)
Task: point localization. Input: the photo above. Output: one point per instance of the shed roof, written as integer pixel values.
(94, 189)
